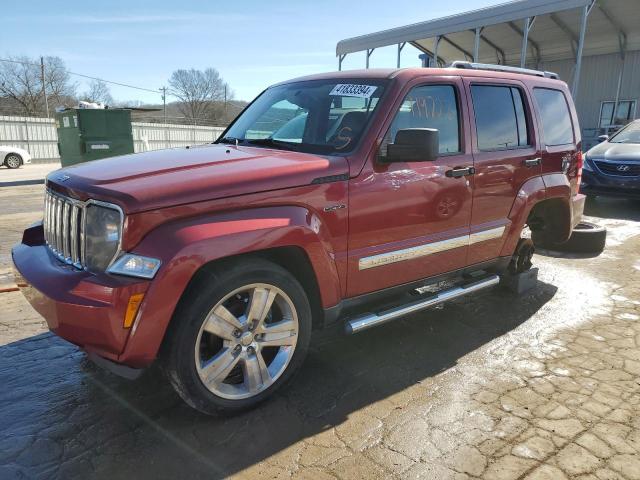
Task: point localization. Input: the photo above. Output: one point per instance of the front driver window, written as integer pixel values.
(429, 106)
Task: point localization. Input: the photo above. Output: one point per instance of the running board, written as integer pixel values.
(370, 320)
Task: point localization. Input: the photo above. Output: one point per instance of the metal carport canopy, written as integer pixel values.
(496, 34)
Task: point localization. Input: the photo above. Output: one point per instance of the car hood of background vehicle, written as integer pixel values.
(164, 178)
(618, 152)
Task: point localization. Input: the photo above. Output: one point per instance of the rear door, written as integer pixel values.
(505, 156)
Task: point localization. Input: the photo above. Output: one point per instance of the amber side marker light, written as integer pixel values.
(132, 309)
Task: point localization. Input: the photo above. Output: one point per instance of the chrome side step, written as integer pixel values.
(369, 320)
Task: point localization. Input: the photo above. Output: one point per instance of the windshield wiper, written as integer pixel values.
(272, 142)
(230, 140)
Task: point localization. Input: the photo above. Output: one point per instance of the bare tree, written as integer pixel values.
(60, 89)
(197, 90)
(21, 82)
(98, 92)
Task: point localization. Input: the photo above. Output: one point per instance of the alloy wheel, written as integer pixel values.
(246, 341)
(13, 161)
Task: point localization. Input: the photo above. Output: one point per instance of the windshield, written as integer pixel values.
(629, 134)
(318, 116)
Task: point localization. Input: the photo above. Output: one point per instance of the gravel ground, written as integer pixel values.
(541, 386)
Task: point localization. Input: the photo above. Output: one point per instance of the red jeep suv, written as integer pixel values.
(327, 195)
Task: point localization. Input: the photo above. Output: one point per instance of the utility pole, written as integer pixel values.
(164, 103)
(225, 102)
(164, 111)
(44, 90)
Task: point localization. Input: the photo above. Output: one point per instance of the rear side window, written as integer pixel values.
(500, 117)
(557, 128)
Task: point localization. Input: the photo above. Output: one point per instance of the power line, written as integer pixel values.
(114, 83)
(86, 76)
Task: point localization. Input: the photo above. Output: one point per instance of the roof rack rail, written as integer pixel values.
(502, 68)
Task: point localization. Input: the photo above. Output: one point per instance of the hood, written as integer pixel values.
(615, 152)
(164, 178)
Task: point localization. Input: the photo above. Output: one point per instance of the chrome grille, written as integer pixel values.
(63, 224)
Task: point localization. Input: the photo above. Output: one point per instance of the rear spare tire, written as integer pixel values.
(586, 238)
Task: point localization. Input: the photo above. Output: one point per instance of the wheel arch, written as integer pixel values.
(292, 258)
(292, 237)
(544, 204)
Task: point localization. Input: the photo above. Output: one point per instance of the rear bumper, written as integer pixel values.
(577, 209)
(85, 309)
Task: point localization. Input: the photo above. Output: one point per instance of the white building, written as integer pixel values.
(594, 45)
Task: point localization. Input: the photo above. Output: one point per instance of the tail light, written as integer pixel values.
(579, 165)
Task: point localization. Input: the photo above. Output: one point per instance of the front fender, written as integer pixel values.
(185, 246)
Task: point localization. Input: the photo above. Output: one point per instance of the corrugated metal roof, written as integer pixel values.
(552, 37)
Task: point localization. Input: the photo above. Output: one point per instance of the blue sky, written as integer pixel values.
(252, 43)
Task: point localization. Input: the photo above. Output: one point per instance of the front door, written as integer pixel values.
(410, 220)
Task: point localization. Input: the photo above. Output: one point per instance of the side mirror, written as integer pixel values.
(603, 138)
(414, 145)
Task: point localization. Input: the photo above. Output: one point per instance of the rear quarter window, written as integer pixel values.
(557, 128)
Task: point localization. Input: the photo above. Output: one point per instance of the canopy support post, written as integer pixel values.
(369, 52)
(340, 59)
(623, 50)
(583, 27)
(528, 23)
(476, 44)
(400, 47)
(435, 51)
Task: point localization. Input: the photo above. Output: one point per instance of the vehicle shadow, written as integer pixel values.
(63, 417)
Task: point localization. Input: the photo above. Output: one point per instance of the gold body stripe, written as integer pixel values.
(429, 248)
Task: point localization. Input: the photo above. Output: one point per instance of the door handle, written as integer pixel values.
(460, 172)
(532, 162)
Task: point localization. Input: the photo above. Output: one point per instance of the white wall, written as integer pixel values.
(39, 137)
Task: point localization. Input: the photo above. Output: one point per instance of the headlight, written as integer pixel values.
(587, 165)
(102, 235)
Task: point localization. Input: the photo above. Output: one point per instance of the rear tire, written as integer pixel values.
(13, 161)
(239, 334)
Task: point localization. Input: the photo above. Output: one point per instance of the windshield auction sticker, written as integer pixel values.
(350, 90)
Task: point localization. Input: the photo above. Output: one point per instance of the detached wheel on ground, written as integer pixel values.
(239, 334)
(586, 238)
(13, 160)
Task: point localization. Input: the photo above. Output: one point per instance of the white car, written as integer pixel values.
(13, 157)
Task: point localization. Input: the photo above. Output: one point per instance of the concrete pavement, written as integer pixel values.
(31, 174)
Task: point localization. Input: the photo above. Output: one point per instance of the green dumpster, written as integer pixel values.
(90, 134)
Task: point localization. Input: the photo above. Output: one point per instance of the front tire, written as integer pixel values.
(240, 333)
(13, 161)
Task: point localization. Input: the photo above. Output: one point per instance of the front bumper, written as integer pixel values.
(595, 183)
(83, 308)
